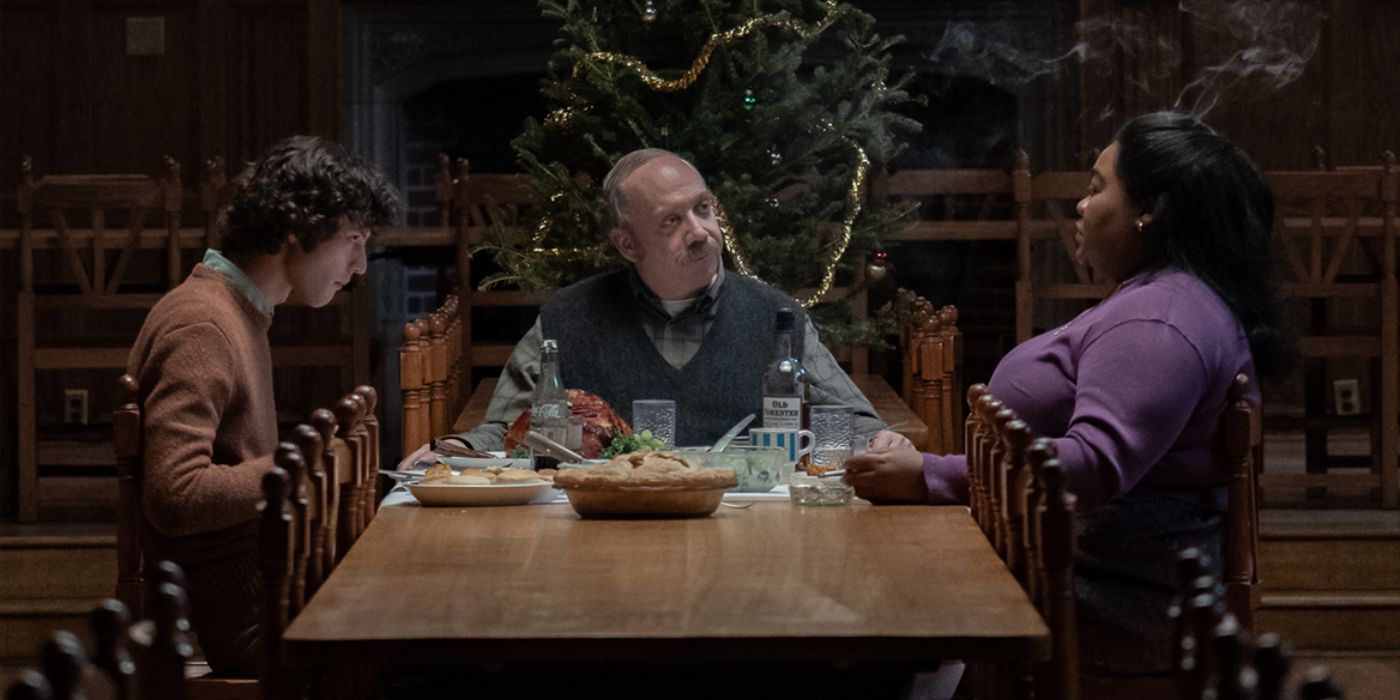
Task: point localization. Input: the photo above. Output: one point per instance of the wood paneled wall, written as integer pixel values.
(1347, 99)
(238, 74)
(234, 77)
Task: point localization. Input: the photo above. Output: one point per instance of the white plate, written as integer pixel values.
(484, 462)
(478, 494)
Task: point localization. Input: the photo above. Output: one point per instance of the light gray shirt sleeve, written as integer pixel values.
(512, 395)
(828, 383)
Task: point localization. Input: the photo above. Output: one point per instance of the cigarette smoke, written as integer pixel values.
(1267, 44)
(999, 54)
(1276, 42)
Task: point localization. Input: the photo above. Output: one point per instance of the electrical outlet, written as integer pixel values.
(1346, 397)
(75, 406)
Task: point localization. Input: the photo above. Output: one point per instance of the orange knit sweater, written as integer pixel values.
(210, 425)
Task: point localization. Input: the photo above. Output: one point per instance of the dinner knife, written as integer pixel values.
(729, 436)
(536, 441)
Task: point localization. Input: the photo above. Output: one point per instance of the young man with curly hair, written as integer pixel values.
(295, 232)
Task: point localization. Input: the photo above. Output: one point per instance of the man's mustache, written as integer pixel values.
(701, 249)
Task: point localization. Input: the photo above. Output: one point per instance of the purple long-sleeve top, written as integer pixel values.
(1131, 391)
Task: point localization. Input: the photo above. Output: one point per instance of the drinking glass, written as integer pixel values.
(834, 427)
(658, 416)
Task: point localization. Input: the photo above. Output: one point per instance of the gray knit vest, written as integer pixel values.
(603, 348)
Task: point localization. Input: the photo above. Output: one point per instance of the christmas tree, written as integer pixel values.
(785, 106)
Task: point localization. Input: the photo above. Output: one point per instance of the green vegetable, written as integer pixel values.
(622, 444)
(519, 453)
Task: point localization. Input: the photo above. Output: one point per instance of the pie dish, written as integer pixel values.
(645, 484)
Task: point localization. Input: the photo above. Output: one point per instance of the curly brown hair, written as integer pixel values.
(302, 185)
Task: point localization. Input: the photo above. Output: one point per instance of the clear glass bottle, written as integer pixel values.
(549, 404)
(785, 381)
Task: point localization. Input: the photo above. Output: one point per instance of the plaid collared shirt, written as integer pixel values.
(677, 338)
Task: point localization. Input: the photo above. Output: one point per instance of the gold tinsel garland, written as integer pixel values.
(563, 116)
(853, 206)
(702, 60)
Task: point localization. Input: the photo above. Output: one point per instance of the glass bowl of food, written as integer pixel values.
(807, 490)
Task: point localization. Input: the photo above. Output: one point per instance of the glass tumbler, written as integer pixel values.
(658, 416)
(834, 428)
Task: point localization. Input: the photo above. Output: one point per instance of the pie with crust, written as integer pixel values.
(646, 471)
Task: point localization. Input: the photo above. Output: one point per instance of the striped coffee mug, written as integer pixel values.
(798, 443)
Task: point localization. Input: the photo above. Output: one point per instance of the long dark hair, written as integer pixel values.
(1212, 216)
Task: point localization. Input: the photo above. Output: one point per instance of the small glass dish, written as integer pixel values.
(810, 491)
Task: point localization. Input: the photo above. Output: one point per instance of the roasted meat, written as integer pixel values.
(600, 424)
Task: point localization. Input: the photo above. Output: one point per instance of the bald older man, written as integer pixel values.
(672, 325)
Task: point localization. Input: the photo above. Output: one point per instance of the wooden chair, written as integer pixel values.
(91, 281)
(1019, 498)
(127, 443)
(1337, 242)
(1215, 656)
(214, 194)
(328, 468)
(1240, 443)
(953, 205)
(1047, 269)
(1001, 205)
(131, 658)
(370, 460)
(480, 202)
(931, 356)
(909, 309)
(138, 581)
(431, 373)
(1238, 447)
(283, 542)
(150, 658)
(940, 370)
(354, 450)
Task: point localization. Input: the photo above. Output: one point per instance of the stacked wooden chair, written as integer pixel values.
(473, 204)
(1047, 269)
(99, 227)
(1336, 242)
(931, 355)
(321, 499)
(431, 374)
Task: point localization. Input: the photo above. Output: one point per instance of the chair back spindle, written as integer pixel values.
(111, 653)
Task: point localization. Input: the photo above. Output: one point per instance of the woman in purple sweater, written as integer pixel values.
(1132, 389)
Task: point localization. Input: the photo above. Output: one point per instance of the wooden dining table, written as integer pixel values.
(773, 583)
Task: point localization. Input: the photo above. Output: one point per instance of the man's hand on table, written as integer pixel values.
(447, 445)
(422, 454)
(890, 471)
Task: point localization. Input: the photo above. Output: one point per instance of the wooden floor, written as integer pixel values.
(1361, 677)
